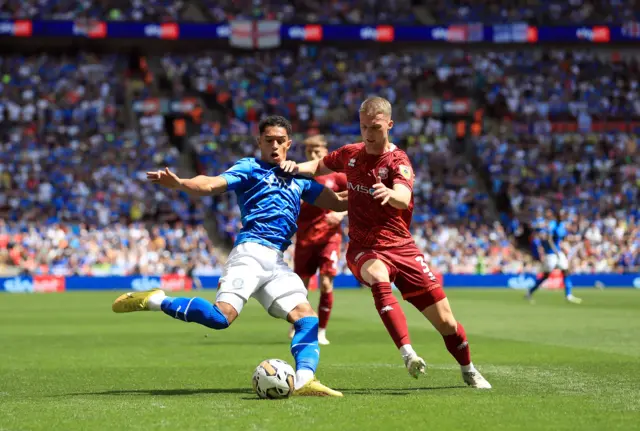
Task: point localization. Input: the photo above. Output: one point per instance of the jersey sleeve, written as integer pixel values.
(403, 172)
(238, 174)
(335, 160)
(341, 182)
(311, 189)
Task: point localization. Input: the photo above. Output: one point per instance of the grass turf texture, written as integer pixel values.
(67, 362)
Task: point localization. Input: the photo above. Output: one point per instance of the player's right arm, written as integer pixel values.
(203, 185)
(200, 185)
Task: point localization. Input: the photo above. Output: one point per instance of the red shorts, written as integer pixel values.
(407, 269)
(308, 259)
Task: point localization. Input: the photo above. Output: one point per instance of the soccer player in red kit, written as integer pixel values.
(381, 249)
(319, 239)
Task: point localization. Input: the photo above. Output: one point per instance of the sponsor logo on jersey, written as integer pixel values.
(360, 188)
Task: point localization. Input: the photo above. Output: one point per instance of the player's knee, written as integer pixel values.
(326, 284)
(441, 317)
(301, 311)
(375, 271)
(228, 311)
(447, 326)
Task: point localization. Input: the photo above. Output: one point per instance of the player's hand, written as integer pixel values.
(333, 218)
(289, 166)
(382, 192)
(165, 178)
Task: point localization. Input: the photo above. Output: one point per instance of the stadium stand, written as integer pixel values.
(561, 134)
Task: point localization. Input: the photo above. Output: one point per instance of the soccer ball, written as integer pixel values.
(273, 379)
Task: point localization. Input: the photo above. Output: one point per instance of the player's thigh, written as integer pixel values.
(306, 260)
(283, 293)
(329, 257)
(241, 278)
(550, 262)
(415, 280)
(369, 266)
(563, 262)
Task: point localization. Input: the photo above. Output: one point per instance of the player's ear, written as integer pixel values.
(287, 144)
(390, 124)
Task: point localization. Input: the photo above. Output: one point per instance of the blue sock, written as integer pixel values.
(568, 284)
(304, 345)
(538, 284)
(195, 310)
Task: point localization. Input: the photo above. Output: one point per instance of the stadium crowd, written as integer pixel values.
(399, 12)
(71, 166)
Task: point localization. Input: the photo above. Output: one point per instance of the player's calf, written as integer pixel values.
(215, 316)
(324, 307)
(198, 310)
(304, 344)
(375, 273)
(455, 339)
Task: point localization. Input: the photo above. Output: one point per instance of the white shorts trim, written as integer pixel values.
(256, 271)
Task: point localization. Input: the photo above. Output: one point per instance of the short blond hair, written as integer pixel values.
(315, 140)
(376, 105)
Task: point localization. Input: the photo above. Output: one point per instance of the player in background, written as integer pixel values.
(381, 249)
(548, 249)
(319, 239)
(269, 201)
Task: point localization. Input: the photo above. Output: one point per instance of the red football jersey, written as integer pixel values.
(370, 224)
(313, 228)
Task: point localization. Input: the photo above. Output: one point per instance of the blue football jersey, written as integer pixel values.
(543, 238)
(269, 201)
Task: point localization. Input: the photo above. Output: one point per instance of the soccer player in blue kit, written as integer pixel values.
(269, 200)
(547, 248)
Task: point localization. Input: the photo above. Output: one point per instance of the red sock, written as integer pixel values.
(391, 313)
(458, 345)
(324, 309)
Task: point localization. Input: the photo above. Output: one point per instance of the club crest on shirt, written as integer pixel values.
(383, 173)
(405, 171)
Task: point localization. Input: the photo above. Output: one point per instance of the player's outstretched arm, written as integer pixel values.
(312, 168)
(330, 200)
(200, 185)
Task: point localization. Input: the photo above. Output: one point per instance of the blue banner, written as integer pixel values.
(520, 33)
(27, 284)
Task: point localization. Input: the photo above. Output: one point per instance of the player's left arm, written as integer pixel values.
(399, 196)
(330, 200)
(334, 218)
(323, 197)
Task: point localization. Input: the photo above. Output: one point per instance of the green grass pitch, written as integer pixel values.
(68, 363)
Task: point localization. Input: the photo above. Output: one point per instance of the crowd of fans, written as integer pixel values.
(536, 12)
(398, 12)
(72, 167)
(110, 10)
(117, 249)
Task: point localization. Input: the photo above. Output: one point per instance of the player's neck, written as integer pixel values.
(375, 150)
